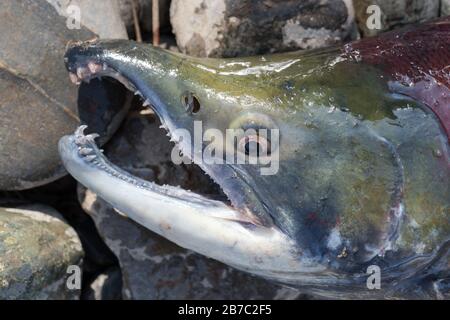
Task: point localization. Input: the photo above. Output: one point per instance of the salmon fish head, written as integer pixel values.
(328, 168)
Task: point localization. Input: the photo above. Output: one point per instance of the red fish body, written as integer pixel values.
(417, 62)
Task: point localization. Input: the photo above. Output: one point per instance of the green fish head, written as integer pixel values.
(340, 158)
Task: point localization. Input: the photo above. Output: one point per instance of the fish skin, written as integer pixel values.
(364, 163)
(427, 46)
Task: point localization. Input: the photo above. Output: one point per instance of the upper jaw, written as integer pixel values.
(112, 59)
(123, 61)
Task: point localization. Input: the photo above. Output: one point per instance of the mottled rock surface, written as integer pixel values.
(38, 103)
(36, 248)
(394, 13)
(231, 28)
(152, 267)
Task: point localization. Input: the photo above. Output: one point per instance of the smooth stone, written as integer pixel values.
(38, 102)
(36, 248)
(112, 28)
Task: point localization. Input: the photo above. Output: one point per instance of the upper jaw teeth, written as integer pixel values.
(85, 73)
(74, 78)
(93, 69)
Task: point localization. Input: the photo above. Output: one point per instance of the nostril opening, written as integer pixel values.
(191, 102)
(196, 105)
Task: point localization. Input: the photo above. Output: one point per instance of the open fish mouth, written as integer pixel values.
(211, 227)
(191, 220)
(87, 70)
(344, 211)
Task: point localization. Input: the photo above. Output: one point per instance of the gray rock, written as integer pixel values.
(152, 267)
(36, 248)
(38, 103)
(231, 28)
(445, 8)
(90, 13)
(394, 13)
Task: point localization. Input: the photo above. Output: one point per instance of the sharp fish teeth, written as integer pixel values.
(85, 151)
(146, 103)
(82, 72)
(90, 158)
(81, 140)
(94, 67)
(92, 136)
(80, 130)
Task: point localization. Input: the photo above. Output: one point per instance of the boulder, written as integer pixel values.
(445, 8)
(38, 103)
(37, 250)
(230, 28)
(90, 13)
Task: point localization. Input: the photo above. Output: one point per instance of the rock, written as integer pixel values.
(230, 28)
(445, 8)
(107, 286)
(394, 14)
(152, 267)
(90, 11)
(38, 103)
(144, 12)
(62, 196)
(36, 249)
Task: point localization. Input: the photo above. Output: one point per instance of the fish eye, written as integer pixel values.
(255, 144)
(190, 102)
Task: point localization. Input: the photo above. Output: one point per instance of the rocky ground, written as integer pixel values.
(48, 231)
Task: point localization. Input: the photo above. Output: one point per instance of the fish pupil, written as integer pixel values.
(261, 145)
